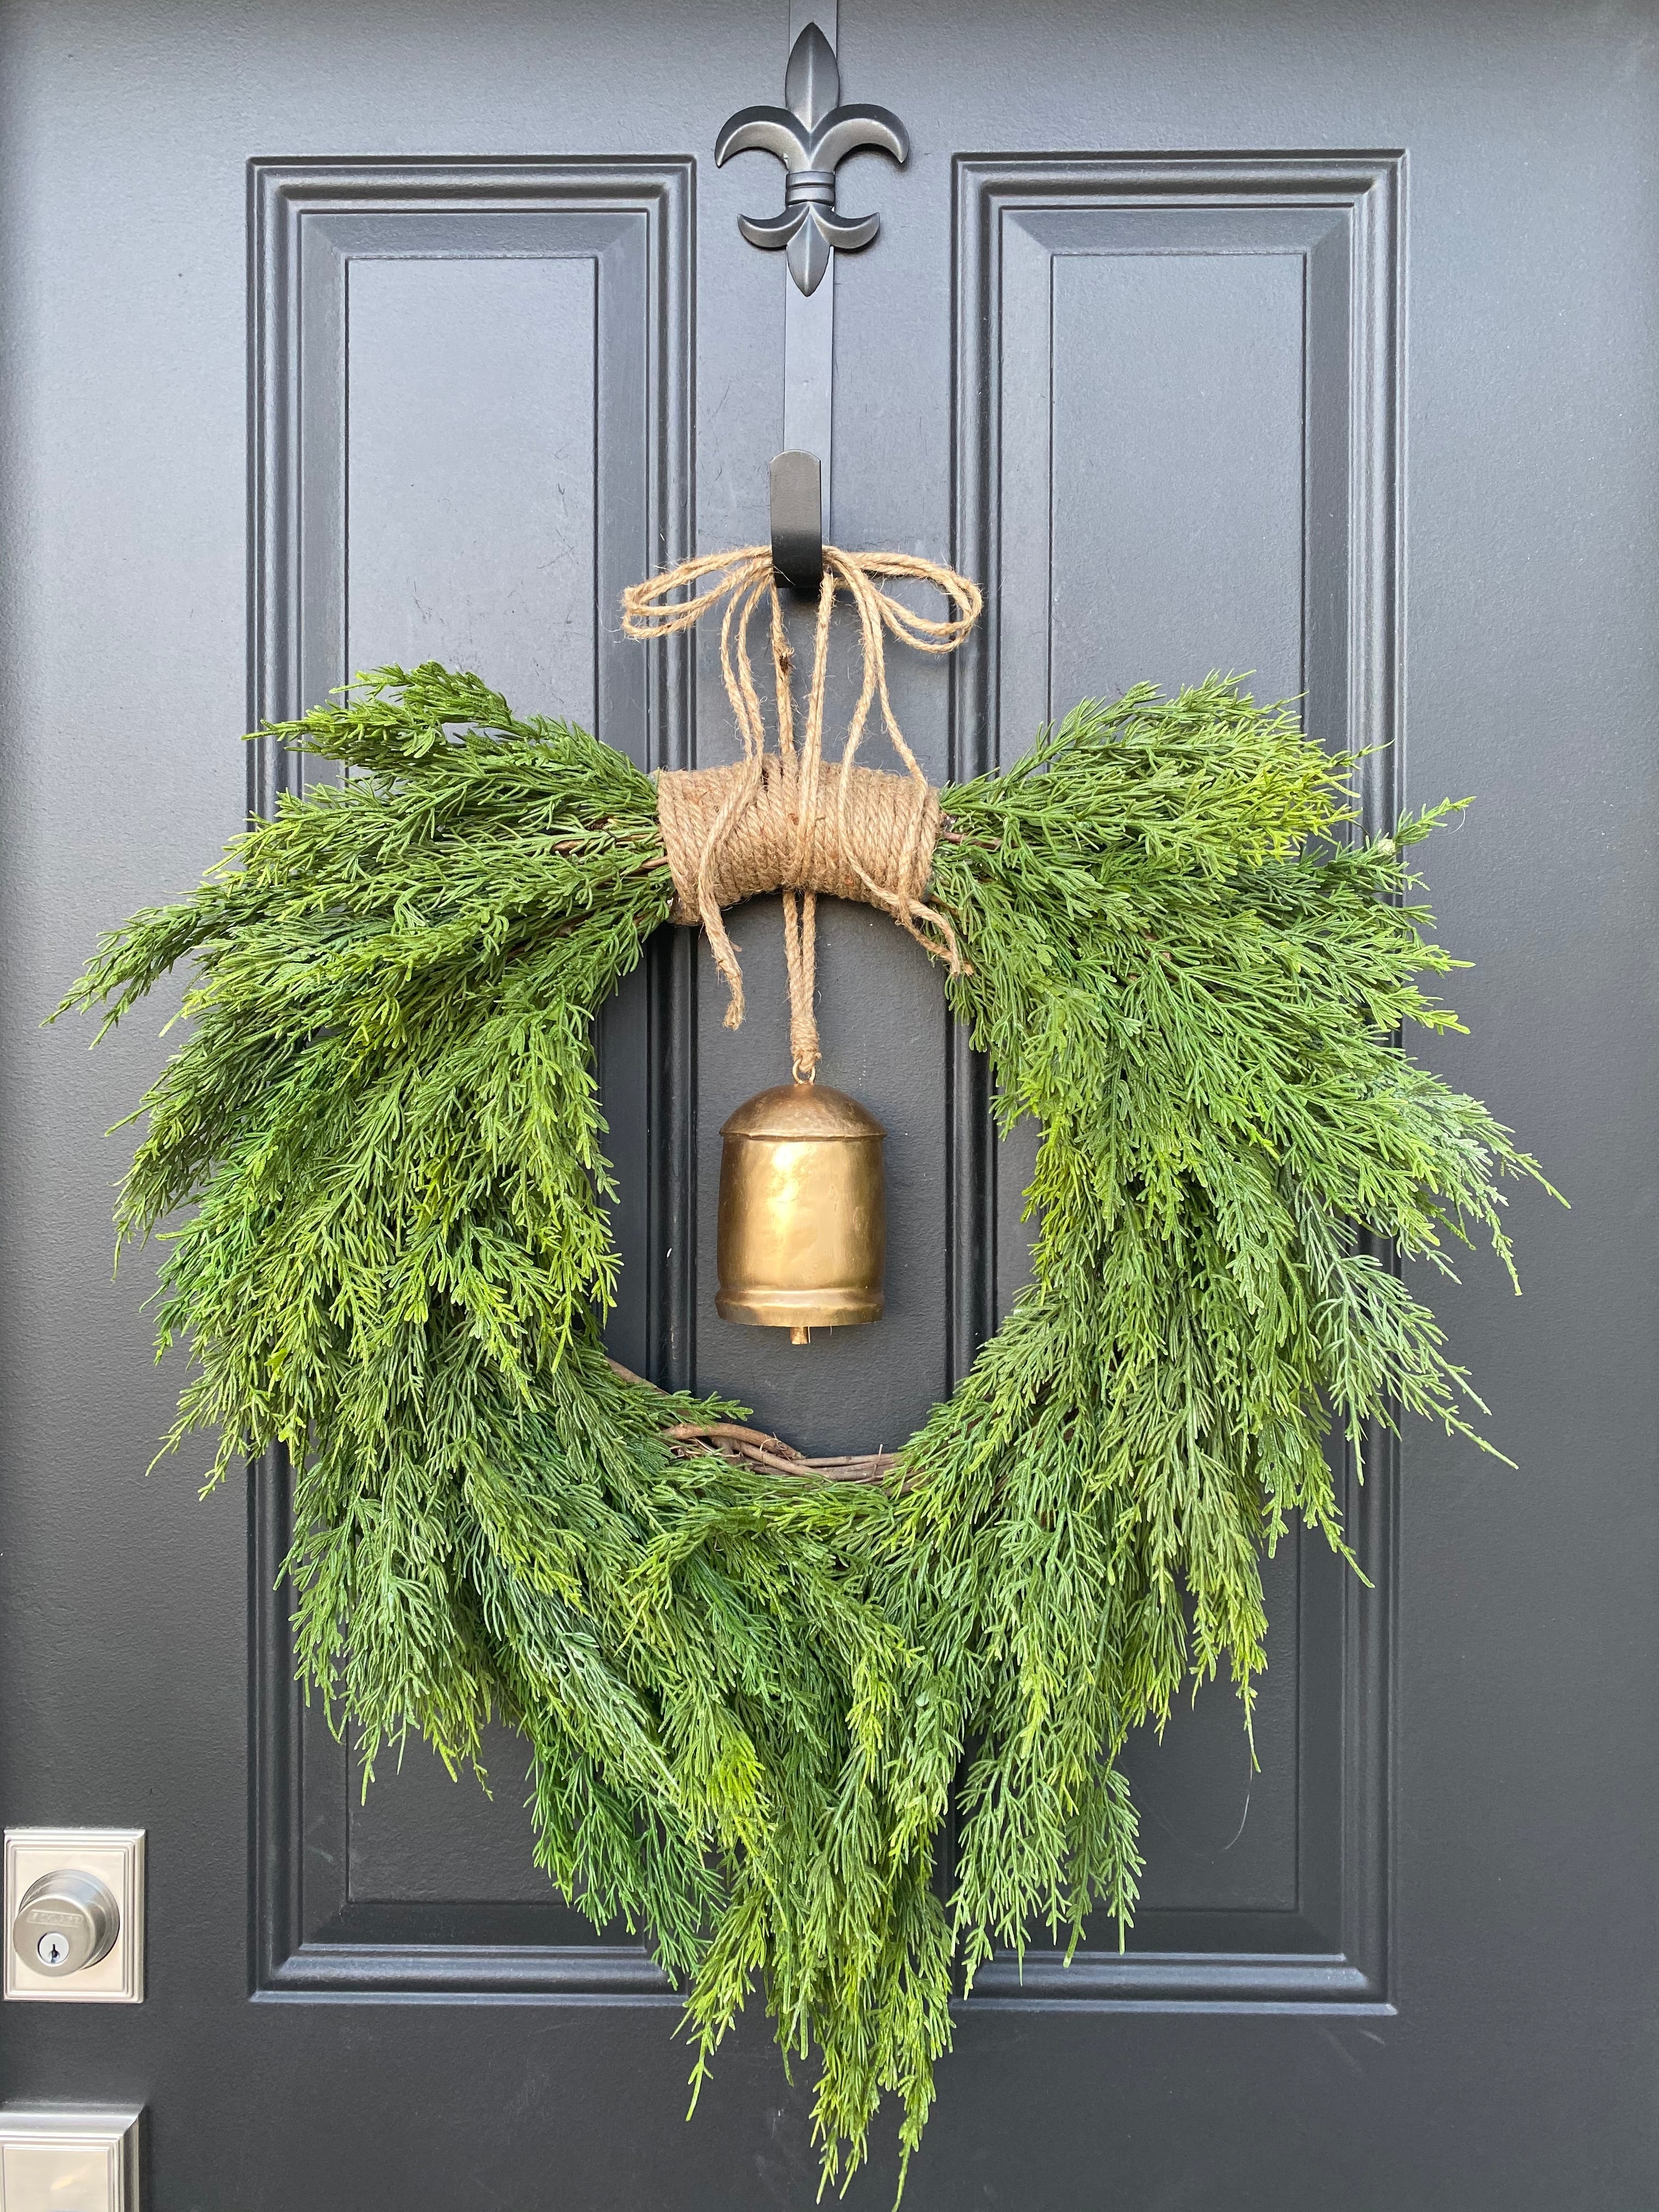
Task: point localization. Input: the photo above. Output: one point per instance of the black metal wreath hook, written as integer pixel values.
(812, 136)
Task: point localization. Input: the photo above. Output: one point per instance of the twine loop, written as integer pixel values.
(790, 822)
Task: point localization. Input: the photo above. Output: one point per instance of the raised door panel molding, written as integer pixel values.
(347, 257)
(1022, 226)
(471, 413)
(1177, 435)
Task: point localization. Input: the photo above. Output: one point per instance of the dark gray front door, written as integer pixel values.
(1310, 340)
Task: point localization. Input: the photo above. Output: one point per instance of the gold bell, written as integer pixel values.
(803, 1217)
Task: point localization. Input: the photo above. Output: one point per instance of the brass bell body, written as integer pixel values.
(803, 1214)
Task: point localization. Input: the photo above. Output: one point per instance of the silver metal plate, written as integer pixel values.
(62, 2158)
(116, 1856)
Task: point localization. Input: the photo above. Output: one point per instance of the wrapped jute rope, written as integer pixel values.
(789, 821)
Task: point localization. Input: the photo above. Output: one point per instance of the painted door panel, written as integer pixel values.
(1310, 340)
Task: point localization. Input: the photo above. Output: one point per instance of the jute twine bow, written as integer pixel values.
(789, 821)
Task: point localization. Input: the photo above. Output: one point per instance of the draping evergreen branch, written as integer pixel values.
(750, 1695)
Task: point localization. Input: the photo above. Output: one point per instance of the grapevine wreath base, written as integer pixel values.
(752, 1693)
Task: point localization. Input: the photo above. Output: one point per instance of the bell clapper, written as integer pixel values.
(799, 1335)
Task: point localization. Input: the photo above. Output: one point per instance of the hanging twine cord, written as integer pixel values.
(788, 820)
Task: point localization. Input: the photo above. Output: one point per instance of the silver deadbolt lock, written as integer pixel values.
(72, 1925)
(67, 1920)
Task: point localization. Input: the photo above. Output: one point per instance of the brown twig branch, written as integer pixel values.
(729, 1432)
(759, 1449)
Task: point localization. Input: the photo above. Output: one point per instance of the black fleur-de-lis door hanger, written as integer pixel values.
(812, 136)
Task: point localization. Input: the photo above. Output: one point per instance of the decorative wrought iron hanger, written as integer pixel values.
(811, 135)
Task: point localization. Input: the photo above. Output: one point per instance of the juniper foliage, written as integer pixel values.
(749, 1700)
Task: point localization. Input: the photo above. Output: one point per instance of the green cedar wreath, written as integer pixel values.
(751, 1698)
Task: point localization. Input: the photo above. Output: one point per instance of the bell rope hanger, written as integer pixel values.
(811, 134)
(802, 1233)
(788, 820)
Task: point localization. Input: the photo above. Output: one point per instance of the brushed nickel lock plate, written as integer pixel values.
(74, 1928)
(59, 2159)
